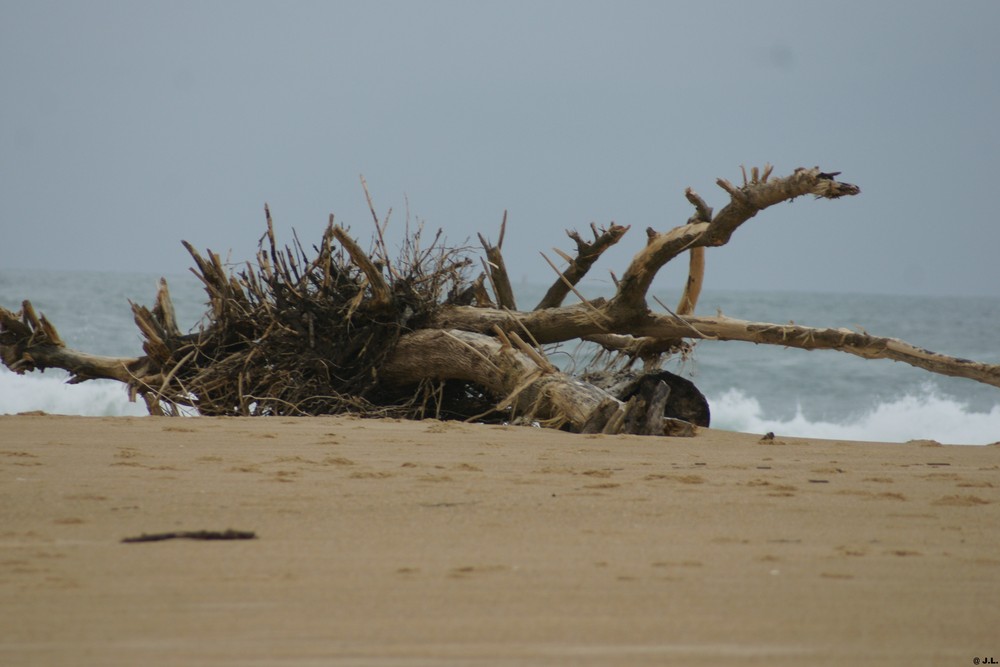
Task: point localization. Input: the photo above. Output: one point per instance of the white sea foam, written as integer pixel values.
(49, 392)
(923, 415)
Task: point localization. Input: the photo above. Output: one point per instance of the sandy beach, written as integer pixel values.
(382, 542)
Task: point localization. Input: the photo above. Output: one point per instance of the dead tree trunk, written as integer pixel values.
(347, 330)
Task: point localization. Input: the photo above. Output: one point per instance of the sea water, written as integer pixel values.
(753, 388)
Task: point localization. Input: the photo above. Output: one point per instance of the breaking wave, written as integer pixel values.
(926, 414)
(49, 393)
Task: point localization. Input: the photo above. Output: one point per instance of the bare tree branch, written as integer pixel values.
(586, 254)
(810, 338)
(497, 270)
(696, 263)
(745, 203)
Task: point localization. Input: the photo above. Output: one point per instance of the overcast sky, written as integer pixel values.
(128, 126)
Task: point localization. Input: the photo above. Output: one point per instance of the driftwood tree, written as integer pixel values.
(346, 330)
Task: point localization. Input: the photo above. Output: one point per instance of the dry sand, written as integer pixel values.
(425, 543)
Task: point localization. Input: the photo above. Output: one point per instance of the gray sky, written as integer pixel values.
(128, 126)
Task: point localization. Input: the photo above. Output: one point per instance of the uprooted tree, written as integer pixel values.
(346, 330)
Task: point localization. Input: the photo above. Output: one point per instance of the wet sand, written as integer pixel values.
(425, 543)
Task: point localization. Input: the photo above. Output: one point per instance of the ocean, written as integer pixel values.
(752, 388)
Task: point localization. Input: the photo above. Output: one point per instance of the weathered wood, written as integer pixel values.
(568, 322)
(497, 269)
(586, 254)
(696, 263)
(860, 344)
(653, 422)
(600, 416)
(509, 374)
(163, 311)
(193, 535)
(744, 204)
(695, 280)
(304, 336)
(381, 294)
(34, 344)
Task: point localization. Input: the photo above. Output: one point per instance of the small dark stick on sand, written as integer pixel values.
(194, 535)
